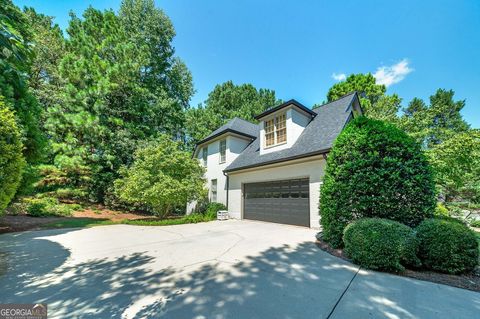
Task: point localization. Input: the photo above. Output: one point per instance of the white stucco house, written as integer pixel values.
(272, 171)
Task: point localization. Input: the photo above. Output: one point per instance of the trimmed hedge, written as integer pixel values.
(447, 246)
(374, 170)
(381, 244)
(11, 157)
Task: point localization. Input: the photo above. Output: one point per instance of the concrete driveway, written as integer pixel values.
(230, 269)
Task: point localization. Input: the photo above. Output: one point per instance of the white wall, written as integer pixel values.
(313, 169)
(214, 169)
(295, 122)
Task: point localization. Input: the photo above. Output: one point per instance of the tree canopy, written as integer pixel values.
(226, 101)
(161, 178)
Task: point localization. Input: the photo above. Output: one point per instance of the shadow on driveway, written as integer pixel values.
(297, 281)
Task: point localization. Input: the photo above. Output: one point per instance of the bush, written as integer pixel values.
(162, 177)
(213, 208)
(475, 223)
(11, 157)
(374, 170)
(49, 206)
(447, 246)
(381, 244)
(441, 210)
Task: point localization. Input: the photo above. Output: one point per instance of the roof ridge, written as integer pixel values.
(338, 99)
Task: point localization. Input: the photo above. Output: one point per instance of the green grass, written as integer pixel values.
(90, 222)
(79, 222)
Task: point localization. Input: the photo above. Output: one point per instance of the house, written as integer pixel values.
(272, 171)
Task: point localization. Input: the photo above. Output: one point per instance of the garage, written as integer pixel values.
(285, 201)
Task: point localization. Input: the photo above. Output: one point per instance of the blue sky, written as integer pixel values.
(298, 48)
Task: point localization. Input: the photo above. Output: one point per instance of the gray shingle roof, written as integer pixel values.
(316, 138)
(235, 125)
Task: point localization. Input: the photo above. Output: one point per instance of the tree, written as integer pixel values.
(375, 102)
(225, 102)
(11, 158)
(456, 162)
(45, 81)
(122, 86)
(161, 178)
(15, 62)
(374, 170)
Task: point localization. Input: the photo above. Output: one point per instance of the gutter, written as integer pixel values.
(324, 152)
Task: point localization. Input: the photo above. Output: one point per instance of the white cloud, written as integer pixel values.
(389, 75)
(339, 77)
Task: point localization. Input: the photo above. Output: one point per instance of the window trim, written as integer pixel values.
(222, 158)
(275, 129)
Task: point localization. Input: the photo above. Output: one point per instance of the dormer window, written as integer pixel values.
(276, 130)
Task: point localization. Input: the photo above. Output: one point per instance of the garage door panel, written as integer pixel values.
(285, 202)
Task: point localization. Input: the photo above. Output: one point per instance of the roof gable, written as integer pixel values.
(284, 105)
(236, 126)
(317, 137)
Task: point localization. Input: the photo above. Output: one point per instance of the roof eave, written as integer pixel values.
(228, 130)
(291, 158)
(283, 105)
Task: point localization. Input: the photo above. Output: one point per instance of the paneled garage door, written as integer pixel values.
(285, 202)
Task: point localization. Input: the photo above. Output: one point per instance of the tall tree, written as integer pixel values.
(225, 102)
(433, 124)
(118, 91)
(15, 64)
(49, 48)
(457, 165)
(375, 103)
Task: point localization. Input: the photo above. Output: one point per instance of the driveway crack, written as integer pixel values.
(343, 293)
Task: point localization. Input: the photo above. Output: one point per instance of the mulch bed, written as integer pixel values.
(467, 281)
(15, 223)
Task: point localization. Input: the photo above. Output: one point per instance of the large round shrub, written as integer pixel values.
(374, 170)
(447, 246)
(11, 158)
(382, 244)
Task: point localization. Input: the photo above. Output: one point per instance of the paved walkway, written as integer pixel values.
(230, 269)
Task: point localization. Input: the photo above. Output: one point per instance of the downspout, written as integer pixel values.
(228, 180)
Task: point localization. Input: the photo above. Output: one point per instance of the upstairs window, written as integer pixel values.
(270, 132)
(204, 155)
(276, 130)
(223, 151)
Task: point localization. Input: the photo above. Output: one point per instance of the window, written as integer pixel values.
(276, 130)
(214, 190)
(281, 128)
(223, 150)
(205, 155)
(269, 132)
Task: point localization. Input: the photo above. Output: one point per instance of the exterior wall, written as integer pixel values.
(214, 170)
(314, 169)
(295, 122)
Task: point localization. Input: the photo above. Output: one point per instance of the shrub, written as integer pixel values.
(213, 208)
(49, 206)
(374, 170)
(162, 177)
(441, 210)
(475, 223)
(381, 244)
(447, 246)
(11, 157)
